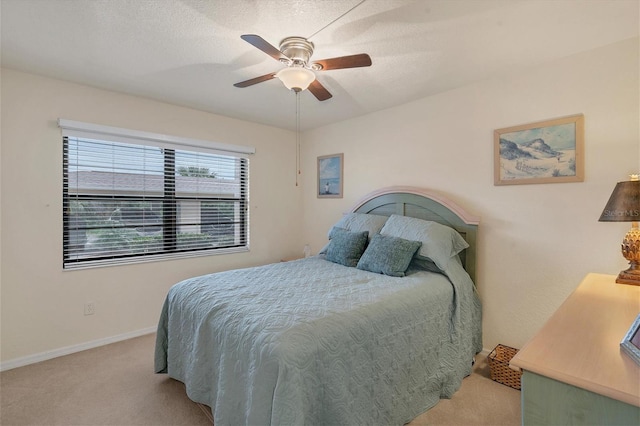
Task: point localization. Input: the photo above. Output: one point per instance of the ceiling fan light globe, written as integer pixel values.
(296, 78)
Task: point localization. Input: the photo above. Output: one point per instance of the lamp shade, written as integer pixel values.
(296, 78)
(624, 203)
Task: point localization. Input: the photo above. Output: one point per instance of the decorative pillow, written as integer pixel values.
(439, 242)
(388, 255)
(358, 222)
(346, 247)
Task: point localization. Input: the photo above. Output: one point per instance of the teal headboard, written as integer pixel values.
(424, 204)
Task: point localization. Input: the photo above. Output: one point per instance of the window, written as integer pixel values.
(131, 196)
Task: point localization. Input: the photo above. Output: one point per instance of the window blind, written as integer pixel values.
(130, 200)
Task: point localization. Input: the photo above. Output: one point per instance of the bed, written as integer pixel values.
(324, 340)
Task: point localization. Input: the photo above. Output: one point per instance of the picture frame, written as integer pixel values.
(630, 344)
(330, 176)
(549, 151)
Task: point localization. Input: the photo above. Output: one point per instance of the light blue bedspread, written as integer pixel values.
(311, 342)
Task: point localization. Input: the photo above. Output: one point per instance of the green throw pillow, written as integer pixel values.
(346, 247)
(388, 255)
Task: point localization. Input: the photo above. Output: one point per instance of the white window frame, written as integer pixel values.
(81, 130)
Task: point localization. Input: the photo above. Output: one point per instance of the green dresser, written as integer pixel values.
(574, 372)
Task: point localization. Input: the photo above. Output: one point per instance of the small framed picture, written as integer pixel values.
(631, 342)
(550, 151)
(330, 172)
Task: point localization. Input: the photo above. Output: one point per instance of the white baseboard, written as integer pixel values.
(32, 359)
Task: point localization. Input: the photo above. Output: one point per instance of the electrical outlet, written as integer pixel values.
(89, 308)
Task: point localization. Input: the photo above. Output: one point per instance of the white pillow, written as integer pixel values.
(439, 242)
(358, 222)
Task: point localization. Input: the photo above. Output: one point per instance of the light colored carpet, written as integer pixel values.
(479, 401)
(115, 385)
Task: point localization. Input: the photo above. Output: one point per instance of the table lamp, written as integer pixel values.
(624, 206)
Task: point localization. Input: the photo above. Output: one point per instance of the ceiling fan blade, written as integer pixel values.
(256, 80)
(319, 91)
(352, 61)
(262, 44)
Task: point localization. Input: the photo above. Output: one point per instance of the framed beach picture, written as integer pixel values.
(550, 151)
(631, 342)
(330, 170)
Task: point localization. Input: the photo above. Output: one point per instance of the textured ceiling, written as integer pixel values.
(189, 52)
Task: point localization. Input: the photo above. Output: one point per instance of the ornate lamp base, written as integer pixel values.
(629, 276)
(631, 252)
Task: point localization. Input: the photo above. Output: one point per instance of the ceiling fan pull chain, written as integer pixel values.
(339, 17)
(297, 135)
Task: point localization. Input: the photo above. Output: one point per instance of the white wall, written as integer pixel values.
(42, 305)
(536, 242)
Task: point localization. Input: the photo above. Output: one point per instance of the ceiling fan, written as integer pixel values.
(295, 53)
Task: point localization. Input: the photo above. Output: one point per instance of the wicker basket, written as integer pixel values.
(499, 364)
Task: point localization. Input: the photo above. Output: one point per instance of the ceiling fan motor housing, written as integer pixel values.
(298, 49)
